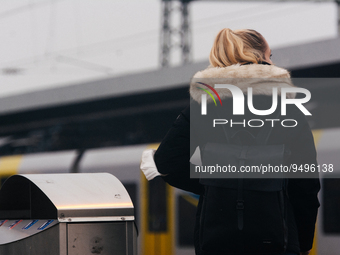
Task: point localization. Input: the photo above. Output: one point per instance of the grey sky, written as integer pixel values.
(60, 42)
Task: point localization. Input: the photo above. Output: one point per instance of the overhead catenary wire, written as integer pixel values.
(118, 40)
(232, 13)
(87, 48)
(291, 9)
(151, 33)
(75, 61)
(129, 42)
(84, 64)
(24, 8)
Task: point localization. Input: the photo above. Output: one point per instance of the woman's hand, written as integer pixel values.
(305, 252)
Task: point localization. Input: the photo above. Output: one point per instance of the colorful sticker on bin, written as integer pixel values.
(30, 224)
(14, 224)
(43, 226)
(2, 222)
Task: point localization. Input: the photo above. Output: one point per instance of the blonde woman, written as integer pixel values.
(244, 56)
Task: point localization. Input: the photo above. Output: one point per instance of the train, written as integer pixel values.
(165, 216)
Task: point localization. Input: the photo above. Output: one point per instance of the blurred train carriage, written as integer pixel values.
(103, 126)
(165, 215)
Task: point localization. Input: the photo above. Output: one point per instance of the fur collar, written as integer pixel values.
(264, 78)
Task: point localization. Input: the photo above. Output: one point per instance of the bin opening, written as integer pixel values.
(61, 214)
(20, 198)
(66, 197)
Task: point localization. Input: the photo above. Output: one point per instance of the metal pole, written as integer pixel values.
(166, 34)
(76, 162)
(170, 34)
(185, 33)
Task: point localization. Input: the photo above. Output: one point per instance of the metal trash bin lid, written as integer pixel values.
(67, 197)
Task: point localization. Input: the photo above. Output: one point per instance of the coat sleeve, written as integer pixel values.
(303, 193)
(172, 157)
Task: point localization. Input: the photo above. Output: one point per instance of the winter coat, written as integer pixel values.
(173, 155)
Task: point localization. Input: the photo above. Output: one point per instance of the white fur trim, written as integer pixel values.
(262, 78)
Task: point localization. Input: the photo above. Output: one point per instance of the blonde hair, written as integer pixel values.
(238, 46)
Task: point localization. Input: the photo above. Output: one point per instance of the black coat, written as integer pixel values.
(174, 153)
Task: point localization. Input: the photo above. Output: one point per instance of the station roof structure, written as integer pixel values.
(140, 108)
(310, 56)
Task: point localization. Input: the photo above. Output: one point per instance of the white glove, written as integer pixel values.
(148, 165)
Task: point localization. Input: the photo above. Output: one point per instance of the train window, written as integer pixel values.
(331, 205)
(186, 205)
(157, 217)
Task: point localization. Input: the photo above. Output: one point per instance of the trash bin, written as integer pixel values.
(66, 214)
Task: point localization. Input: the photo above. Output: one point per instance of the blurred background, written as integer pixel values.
(86, 86)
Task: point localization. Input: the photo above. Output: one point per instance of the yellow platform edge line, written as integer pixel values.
(9, 165)
(157, 243)
(193, 201)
